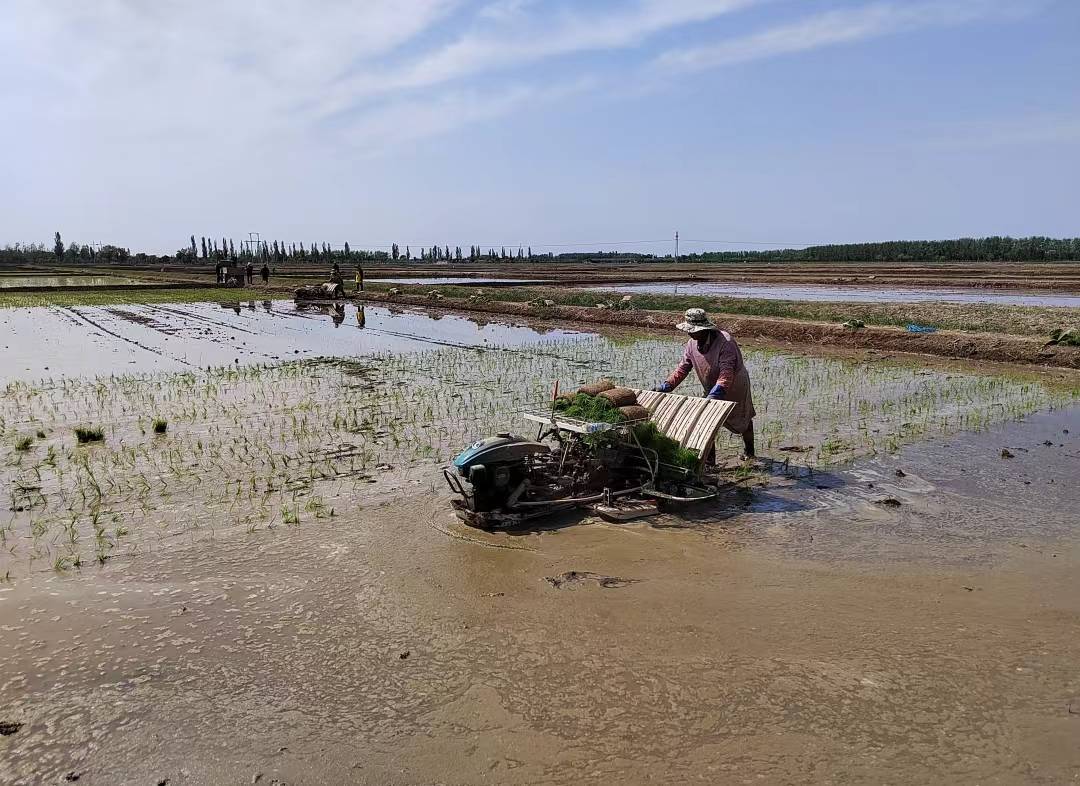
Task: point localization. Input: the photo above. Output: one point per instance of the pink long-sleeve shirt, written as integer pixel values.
(717, 365)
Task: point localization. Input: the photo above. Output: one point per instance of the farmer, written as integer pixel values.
(265, 273)
(249, 272)
(359, 279)
(716, 358)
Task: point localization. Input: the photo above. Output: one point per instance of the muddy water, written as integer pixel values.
(92, 340)
(448, 280)
(850, 294)
(763, 642)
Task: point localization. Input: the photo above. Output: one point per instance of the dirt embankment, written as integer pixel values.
(953, 344)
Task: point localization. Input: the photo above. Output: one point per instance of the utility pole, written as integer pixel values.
(676, 247)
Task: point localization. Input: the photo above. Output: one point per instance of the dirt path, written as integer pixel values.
(950, 344)
(824, 640)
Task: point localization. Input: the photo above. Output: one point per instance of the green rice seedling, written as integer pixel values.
(22, 444)
(160, 425)
(87, 434)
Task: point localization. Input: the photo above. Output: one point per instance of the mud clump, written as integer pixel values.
(888, 502)
(7, 728)
(575, 578)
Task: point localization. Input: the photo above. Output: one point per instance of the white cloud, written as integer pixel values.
(836, 27)
(517, 38)
(405, 121)
(173, 67)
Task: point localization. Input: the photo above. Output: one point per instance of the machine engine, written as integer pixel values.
(496, 468)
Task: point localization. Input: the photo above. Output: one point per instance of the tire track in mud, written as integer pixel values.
(97, 325)
(194, 316)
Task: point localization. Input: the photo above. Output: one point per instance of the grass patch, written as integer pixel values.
(160, 426)
(117, 297)
(22, 444)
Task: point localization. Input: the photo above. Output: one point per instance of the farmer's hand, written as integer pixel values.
(663, 387)
(717, 393)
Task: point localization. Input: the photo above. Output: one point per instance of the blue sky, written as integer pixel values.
(550, 124)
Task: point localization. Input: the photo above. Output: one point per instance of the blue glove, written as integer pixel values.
(663, 387)
(717, 393)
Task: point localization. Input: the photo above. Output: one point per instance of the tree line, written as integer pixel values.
(212, 249)
(968, 249)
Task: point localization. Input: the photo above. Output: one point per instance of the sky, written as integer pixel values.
(547, 123)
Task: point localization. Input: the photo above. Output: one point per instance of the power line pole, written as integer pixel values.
(676, 247)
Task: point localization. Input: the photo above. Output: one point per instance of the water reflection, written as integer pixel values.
(135, 338)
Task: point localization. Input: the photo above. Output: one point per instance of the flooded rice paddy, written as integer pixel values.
(270, 539)
(8, 281)
(827, 294)
(92, 340)
(274, 444)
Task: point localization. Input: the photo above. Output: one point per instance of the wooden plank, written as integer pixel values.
(693, 422)
(709, 424)
(648, 398)
(682, 428)
(667, 410)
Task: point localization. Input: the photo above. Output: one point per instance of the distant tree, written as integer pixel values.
(194, 248)
(58, 247)
(111, 254)
(232, 250)
(521, 253)
(348, 251)
(530, 252)
(394, 253)
(204, 248)
(502, 253)
(408, 254)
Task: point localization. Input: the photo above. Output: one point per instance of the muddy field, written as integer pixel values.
(796, 633)
(270, 586)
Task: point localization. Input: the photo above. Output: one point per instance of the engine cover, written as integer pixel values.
(500, 449)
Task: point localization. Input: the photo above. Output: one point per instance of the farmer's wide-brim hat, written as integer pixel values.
(695, 321)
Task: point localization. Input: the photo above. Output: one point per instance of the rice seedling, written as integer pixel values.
(283, 438)
(85, 434)
(160, 426)
(22, 444)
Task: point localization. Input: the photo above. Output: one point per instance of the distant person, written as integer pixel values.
(718, 361)
(249, 272)
(265, 273)
(359, 279)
